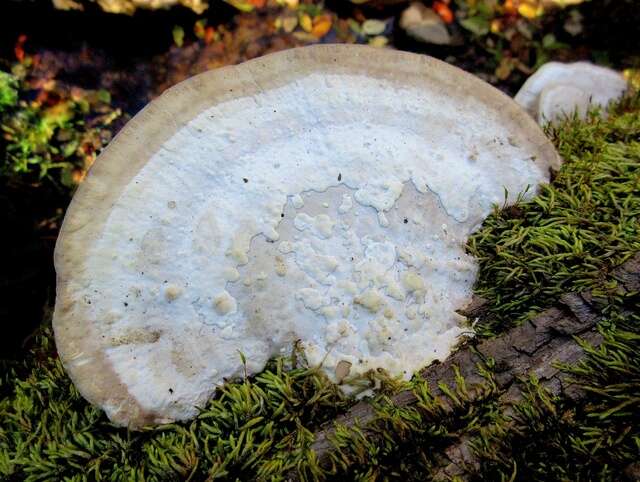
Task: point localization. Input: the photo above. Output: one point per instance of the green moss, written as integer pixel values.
(574, 232)
(8, 91)
(257, 426)
(408, 443)
(567, 238)
(54, 137)
(556, 439)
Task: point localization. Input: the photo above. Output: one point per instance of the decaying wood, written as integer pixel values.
(536, 347)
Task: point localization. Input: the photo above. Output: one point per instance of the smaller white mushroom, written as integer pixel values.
(557, 89)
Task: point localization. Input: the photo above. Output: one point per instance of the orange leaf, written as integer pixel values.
(509, 7)
(19, 48)
(321, 26)
(444, 11)
(209, 34)
(198, 28)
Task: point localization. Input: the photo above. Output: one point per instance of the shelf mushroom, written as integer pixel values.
(557, 90)
(321, 195)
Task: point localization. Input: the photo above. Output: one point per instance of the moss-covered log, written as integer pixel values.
(537, 347)
(569, 239)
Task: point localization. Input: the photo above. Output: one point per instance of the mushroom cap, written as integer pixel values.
(321, 194)
(558, 89)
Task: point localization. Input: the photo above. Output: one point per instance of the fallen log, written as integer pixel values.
(534, 348)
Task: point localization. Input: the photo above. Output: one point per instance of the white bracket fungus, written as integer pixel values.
(321, 194)
(557, 90)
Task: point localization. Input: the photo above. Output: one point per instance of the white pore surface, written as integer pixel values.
(557, 90)
(332, 210)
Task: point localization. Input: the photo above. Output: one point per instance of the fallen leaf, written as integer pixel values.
(306, 23)
(379, 41)
(209, 35)
(509, 7)
(241, 5)
(443, 11)
(321, 26)
(505, 68)
(289, 24)
(19, 48)
(477, 25)
(354, 26)
(530, 11)
(198, 28)
(373, 27)
(633, 77)
(566, 3)
(67, 5)
(304, 36)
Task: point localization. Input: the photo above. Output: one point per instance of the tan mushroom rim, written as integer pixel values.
(144, 135)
